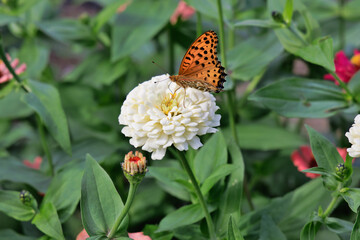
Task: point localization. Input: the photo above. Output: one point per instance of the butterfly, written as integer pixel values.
(200, 67)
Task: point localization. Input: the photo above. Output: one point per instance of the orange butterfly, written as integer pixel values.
(200, 67)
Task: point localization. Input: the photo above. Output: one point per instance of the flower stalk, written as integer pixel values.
(134, 168)
(330, 207)
(125, 210)
(198, 193)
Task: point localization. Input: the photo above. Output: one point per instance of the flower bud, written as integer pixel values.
(84, 18)
(134, 166)
(341, 170)
(277, 16)
(27, 199)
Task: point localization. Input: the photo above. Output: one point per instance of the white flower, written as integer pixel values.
(155, 118)
(354, 138)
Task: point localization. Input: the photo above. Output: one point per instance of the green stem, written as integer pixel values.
(188, 170)
(198, 24)
(247, 194)
(231, 38)
(230, 93)
(341, 25)
(222, 34)
(129, 200)
(44, 144)
(231, 109)
(331, 206)
(299, 35)
(10, 68)
(342, 84)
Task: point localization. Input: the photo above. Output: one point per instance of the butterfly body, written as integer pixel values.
(200, 67)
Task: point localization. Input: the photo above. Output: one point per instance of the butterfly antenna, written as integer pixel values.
(159, 66)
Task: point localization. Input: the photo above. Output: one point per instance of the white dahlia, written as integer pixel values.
(156, 118)
(354, 138)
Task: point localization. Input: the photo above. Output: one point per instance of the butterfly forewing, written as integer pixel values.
(200, 67)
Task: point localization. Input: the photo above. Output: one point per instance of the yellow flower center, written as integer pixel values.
(356, 60)
(168, 103)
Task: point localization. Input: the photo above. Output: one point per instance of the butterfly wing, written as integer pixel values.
(200, 67)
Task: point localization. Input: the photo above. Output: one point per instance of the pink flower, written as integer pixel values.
(35, 164)
(344, 67)
(123, 7)
(136, 236)
(303, 158)
(183, 10)
(82, 235)
(5, 75)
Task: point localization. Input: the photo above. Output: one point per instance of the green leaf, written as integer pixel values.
(6, 234)
(24, 174)
(288, 11)
(269, 230)
(181, 217)
(11, 205)
(258, 23)
(350, 10)
(7, 19)
(290, 41)
(35, 55)
(319, 52)
(301, 97)
(168, 180)
(100, 203)
(13, 101)
(338, 225)
(108, 12)
(15, 134)
(103, 71)
(205, 7)
(151, 230)
(354, 85)
(99, 149)
(45, 100)
(260, 51)
(324, 151)
(352, 197)
(64, 190)
(309, 231)
(233, 231)
(138, 25)
(262, 137)
(230, 203)
(210, 157)
(48, 221)
(215, 176)
(289, 212)
(318, 170)
(65, 30)
(355, 234)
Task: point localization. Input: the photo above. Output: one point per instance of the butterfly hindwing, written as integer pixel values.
(207, 79)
